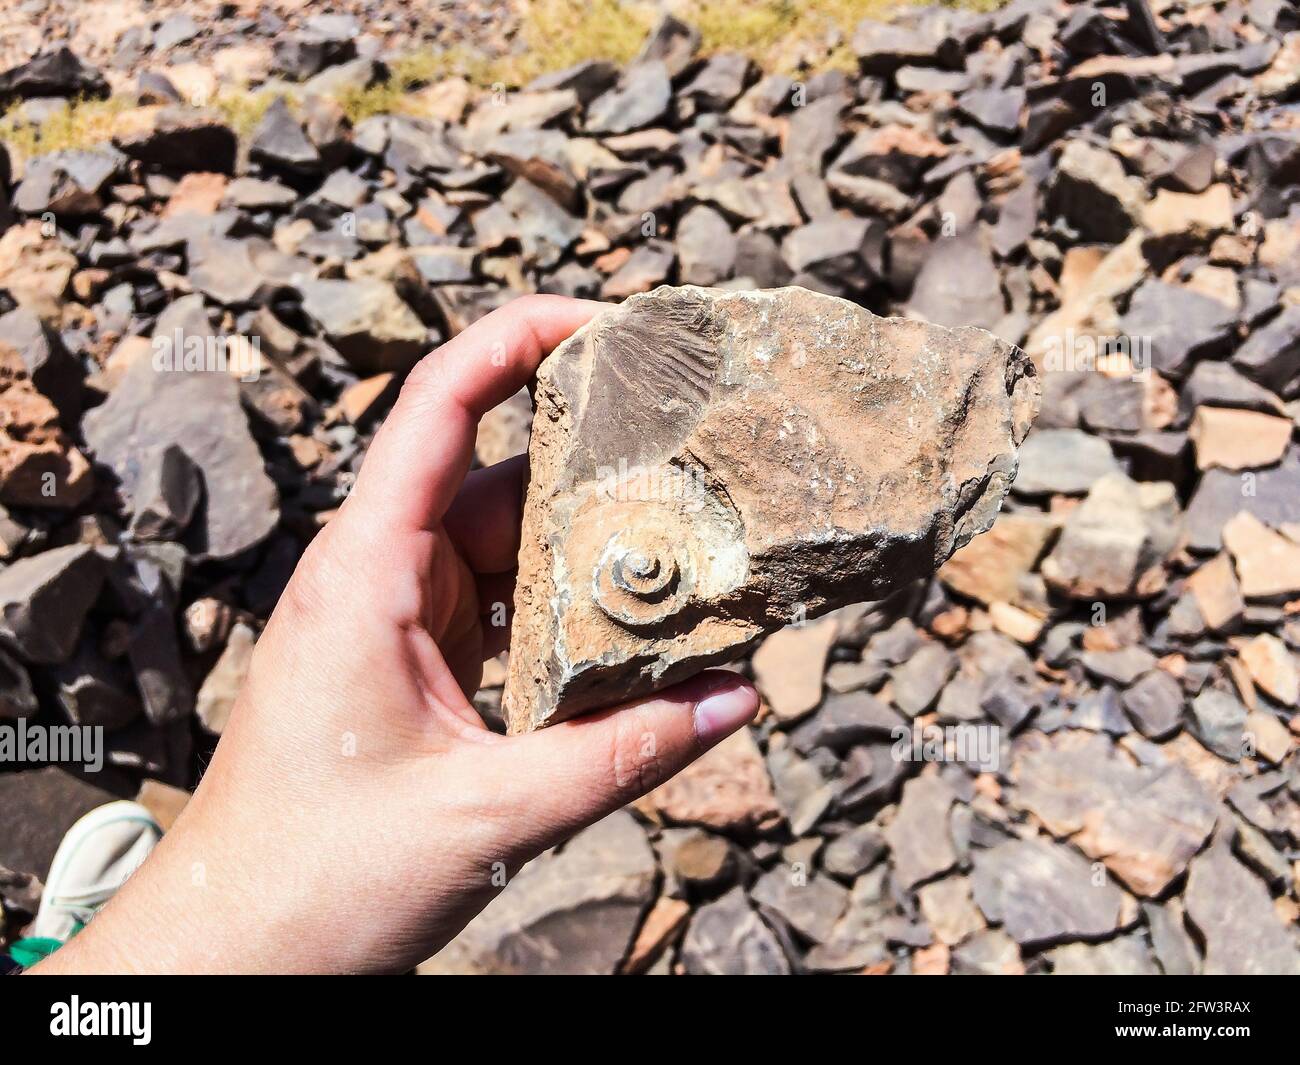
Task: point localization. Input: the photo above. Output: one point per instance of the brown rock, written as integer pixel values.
(164, 801)
(35, 269)
(663, 924)
(1218, 595)
(788, 667)
(727, 789)
(1199, 215)
(362, 401)
(39, 467)
(198, 192)
(1020, 625)
(1271, 738)
(990, 567)
(707, 465)
(1272, 667)
(1268, 564)
(1144, 824)
(221, 687)
(949, 911)
(1283, 75)
(1238, 439)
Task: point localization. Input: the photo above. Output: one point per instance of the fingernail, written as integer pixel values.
(722, 712)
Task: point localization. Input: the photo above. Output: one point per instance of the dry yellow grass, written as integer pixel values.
(76, 124)
(779, 35)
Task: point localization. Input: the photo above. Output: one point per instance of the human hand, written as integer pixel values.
(357, 812)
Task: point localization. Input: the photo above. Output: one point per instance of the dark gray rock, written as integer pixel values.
(918, 681)
(996, 110)
(1174, 950)
(1217, 384)
(808, 904)
(706, 247)
(718, 83)
(919, 840)
(672, 42)
(572, 911)
(844, 721)
(1092, 193)
(1231, 909)
(640, 99)
(1064, 461)
(55, 73)
(55, 372)
(1271, 494)
(853, 853)
(958, 284)
(17, 699)
(281, 143)
(367, 322)
(44, 600)
(94, 691)
(728, 938)
(1219, 719)
(199, 412)
(1183, 326)
(1043, 893)
(1271, 354)
(1155, 704)
(40, 806)
(166, 495)
(183, 139)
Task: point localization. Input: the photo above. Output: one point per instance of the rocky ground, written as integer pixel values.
(1113, 188)
(242, 41)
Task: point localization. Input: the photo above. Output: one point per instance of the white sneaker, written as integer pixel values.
(95, 858)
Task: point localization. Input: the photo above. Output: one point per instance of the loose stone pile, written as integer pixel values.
(1072, 751)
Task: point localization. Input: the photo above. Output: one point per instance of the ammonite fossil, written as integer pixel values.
(708, 466)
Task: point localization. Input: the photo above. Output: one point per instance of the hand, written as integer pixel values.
(357, 809)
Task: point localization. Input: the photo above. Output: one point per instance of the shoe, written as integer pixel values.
(95, 858)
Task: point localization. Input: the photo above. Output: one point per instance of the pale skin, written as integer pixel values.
(357, 812)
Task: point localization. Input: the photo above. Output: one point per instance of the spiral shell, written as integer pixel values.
(642, 577)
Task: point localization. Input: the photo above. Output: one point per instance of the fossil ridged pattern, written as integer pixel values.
(708, 466)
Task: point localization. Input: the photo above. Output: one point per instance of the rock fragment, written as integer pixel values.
(1231, 909)
(728, 789)
(44, 600)
(688, 553)
(1042, 893)
(1114, 542)
(788, 667)
(368, 322)
(199, 412)
(918, 836)
(573, 912)
(728, 938)
(221, 687)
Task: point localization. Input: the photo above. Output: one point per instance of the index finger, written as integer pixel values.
(418, 459)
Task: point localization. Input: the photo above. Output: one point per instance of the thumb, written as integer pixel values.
(570, 775)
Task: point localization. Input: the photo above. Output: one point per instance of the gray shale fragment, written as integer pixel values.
(705, 465)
